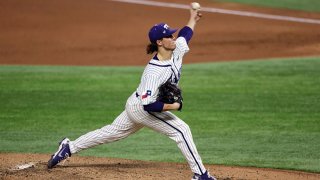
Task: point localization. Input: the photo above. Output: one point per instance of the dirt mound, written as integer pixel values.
(79, 167)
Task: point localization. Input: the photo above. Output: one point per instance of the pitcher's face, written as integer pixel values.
(169, 42)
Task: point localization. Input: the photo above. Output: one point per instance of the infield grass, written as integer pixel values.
(252, 113)
(305, 5)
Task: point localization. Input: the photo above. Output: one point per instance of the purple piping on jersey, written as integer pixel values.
(182, 137)
(176, 79)
(155, 57)
(186, 32)
(154, 107)
(168, 65)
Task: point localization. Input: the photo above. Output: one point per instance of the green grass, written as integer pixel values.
(253, 113)
(305, 5)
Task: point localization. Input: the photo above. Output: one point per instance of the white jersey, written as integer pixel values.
(134, 117)
(158, 72)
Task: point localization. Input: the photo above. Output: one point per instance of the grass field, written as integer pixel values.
(305, 5)
(254, 113)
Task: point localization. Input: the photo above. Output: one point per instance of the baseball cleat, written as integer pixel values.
(62, 153)
(205, 176)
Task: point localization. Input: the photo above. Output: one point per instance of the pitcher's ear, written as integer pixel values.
(159, 42)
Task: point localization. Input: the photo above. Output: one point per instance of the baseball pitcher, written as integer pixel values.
(151, 103)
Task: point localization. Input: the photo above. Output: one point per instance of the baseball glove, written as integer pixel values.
(170, 93)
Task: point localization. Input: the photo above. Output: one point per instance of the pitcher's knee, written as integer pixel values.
(181, 133)
(185, 128)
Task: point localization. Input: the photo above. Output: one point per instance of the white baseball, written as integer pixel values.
(195, 6)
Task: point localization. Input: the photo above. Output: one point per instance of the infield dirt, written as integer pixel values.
(102, 32)
(99, 32)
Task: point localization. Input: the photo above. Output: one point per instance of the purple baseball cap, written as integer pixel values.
(160, 31)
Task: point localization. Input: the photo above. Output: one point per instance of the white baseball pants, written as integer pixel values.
(134, 118)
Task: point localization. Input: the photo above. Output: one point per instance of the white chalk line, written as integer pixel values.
(23, 166)
(223, 11)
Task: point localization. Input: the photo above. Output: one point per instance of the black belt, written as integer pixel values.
(137, 95)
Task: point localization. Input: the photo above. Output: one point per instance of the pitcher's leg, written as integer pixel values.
(176, 129)
(121, 127)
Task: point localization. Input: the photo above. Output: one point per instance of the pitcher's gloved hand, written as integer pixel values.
(170, 93)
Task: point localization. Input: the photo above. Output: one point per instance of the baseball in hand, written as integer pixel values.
(195, 6)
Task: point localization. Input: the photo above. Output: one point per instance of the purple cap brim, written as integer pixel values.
(172, 31)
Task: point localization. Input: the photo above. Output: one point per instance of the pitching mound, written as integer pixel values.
(33, 166)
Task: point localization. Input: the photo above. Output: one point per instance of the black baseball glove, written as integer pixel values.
(170, 93)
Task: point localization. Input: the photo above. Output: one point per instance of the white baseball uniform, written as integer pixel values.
(134, 117)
